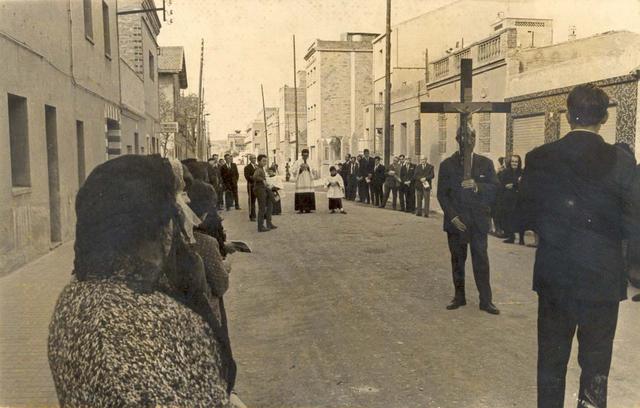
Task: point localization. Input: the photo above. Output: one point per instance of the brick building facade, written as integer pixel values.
(339, 84)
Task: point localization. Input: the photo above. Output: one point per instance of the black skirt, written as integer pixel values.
(305, 202)
(335, 203)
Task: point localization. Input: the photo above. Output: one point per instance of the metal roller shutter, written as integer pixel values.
(528, 133)
(608, 131)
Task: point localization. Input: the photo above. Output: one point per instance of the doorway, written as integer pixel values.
(51, 130)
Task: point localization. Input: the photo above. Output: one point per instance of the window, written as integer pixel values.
(417, 138)
(19, 141)
(141, 149)
(484, 133)
(106, 29)
(88, 20)
(136, 143)
(442, 133)
(81, 156)
(404, 149)
(152, 65)
(129, 149)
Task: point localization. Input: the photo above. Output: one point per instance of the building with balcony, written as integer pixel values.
(59, 117)
(339, 84)
(540, 80)
(490, 57)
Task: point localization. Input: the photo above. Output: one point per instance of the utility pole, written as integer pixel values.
(387, 90)
(200, 103)
(264, 115)
(295, 91)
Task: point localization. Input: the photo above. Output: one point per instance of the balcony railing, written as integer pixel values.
(464, 54)
(441, 68)
(489, 49)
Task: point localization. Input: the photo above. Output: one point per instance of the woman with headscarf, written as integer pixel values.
(204, 196)
(135, 327)
(201, 201)
(509, 191)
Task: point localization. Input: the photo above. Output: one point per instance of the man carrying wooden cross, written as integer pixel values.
(467, 185)
(466, 202)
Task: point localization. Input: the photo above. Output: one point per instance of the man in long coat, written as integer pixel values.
(580, 195)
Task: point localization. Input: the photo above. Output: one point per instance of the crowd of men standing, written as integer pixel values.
(369, 181)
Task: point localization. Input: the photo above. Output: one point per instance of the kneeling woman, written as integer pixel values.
(135, 327)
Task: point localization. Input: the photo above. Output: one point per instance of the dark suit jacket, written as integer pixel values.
(214, 176)
(378, 174)
(580, 195)
(406, 174)
(392, 181)
(353, 171)
(249, 169)
(473, 208)
(230, 176)
(423, 172)
(366, 166)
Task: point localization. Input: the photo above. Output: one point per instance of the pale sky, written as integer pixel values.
(249, 42)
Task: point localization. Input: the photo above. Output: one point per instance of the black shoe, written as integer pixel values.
(509, 241)
(456, 303)
(263, 229)
(419, 214)
(272, 226)
(238, 208)
(636, 298)
(252, 219)
(490, 308)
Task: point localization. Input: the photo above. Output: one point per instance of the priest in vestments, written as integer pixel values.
(305, 199)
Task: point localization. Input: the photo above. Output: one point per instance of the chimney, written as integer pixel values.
(572, 33)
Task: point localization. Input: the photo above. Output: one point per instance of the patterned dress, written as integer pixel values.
(110, 346)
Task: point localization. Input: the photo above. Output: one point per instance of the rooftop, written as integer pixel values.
(171, 60)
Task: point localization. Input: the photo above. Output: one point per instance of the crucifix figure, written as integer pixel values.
(467, 186)
(466, 107)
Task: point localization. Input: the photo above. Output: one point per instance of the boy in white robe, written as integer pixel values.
(335, 191)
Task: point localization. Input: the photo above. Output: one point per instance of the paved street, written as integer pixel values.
(343, 311)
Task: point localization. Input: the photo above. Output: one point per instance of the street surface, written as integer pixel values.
(343, 311)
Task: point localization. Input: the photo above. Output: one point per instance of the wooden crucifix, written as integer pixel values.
(466, 107)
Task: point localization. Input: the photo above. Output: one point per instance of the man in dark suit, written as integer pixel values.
(580, 195)
(366, 172)
(422, 178)
(352, 178)
(344, 172)
(377, 181)
(216, 177)
(391, 183)
(467, 219)
(407, 189)
(249, 169)
(230, 176)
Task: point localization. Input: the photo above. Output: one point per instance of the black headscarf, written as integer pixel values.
(123, 203)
